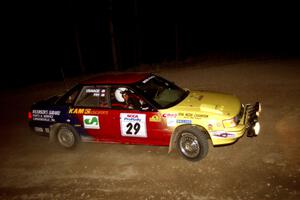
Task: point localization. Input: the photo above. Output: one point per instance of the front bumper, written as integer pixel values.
(252, 113)
(248, 124)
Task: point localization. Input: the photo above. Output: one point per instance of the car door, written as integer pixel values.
(92, 111)
(137, 123)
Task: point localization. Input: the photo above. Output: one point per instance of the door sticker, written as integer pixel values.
(171, 118)
(155, 118)
(91, 121)
(133, 125)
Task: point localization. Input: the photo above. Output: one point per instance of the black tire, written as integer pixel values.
(192, 144)
(67, 136)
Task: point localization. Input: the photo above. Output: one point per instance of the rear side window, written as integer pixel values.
(70, 96)
(93, 96)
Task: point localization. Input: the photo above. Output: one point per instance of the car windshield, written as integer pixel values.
(161, 91)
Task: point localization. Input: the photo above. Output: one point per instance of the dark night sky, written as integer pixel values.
(40, 37)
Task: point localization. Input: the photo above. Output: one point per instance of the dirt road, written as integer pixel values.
(265, 167)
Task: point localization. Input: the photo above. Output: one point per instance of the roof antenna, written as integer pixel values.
(63, 77)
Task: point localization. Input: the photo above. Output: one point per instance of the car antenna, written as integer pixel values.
(63, 77)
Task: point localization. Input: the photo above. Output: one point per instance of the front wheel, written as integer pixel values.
(67, 136)
(192, 144)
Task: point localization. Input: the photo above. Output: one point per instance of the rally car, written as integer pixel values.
(144, 108)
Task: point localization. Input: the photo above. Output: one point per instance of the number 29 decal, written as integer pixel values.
(133, 125)
(136, 128)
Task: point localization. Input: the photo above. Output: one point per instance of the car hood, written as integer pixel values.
(210, 103)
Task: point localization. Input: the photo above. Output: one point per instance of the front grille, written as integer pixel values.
(238, 118)
(251, 113)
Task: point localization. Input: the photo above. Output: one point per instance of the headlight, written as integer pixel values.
(256, 128)
(229, 123)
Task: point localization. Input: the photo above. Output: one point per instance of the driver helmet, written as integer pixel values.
(119, 94)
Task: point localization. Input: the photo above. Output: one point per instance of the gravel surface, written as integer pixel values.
(265, 167)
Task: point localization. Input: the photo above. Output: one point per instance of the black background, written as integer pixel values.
(39, 40)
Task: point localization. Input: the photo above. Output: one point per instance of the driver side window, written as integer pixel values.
(124, 98)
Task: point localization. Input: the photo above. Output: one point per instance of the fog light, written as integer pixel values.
(259, 107)
(256, 128)
(257, 114)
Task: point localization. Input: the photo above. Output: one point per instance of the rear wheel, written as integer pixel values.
(192, 144)
(67, 136)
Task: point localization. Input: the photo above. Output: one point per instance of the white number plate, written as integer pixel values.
(133, 125)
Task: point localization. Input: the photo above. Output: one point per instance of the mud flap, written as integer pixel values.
(172, 142)
(52, 134)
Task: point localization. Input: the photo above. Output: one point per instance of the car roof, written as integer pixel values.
(117, 78)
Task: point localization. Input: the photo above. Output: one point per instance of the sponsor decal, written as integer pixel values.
(155, 118)
(189, 115)
(171, 121)
(45, 115)
(133, 125)
(199, 116)
(222, 134)
(92, 90)
(171, 118)
(87, 111)
(194, 116)
(96, 92)
(184, 121)
(180, 114)
(103, 92)
(77, 111)
(186, 115)
(170, 115)
(91, 122)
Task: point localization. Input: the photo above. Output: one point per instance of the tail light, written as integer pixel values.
(29, 115)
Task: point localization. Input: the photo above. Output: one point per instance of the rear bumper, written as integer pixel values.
(40, 128)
